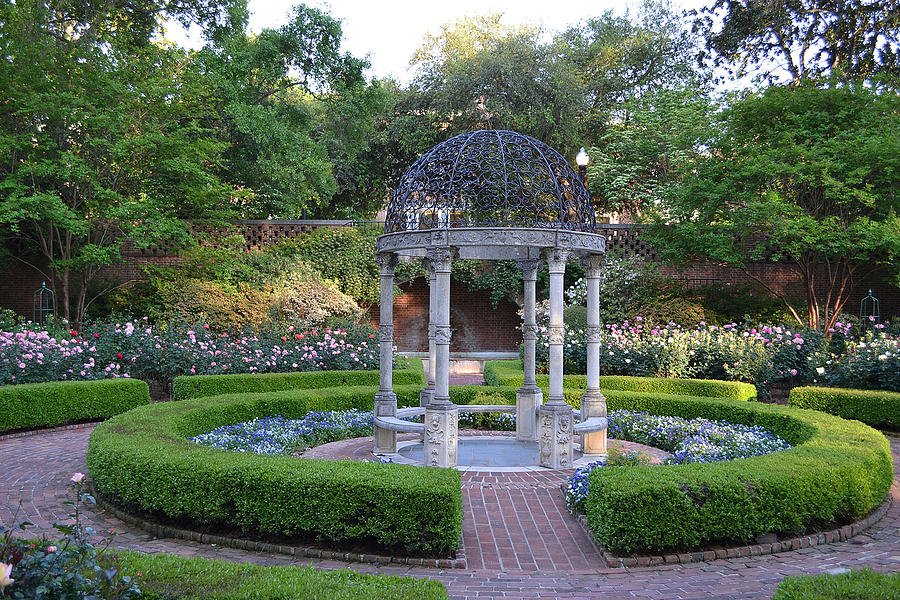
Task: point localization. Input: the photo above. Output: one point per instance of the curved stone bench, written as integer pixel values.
(591, 425)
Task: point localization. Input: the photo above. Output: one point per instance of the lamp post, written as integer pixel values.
(582, 159)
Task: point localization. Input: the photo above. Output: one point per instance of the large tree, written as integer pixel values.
(644, 152)
(805, 176)
(853, 39)
(290, 105)
(102, 137)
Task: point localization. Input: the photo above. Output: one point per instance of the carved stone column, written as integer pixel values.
(427, 394)
(555, 417)
(529, 396)
(593, 402)
(441, 415)
(385, 399)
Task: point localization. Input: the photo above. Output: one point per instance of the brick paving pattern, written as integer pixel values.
(37, 471)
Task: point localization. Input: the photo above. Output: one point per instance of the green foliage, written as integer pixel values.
(166, 576)
(200, 386)
(36, 405)
(637, 157)
(105, 140)
(854, 39)
(876, 408)
(280, 100)
(135, 458)
(837, 471)
(575, 317)
(863, 584)
(801, 175)
(345, 256)
(629, 458)
(509, 373)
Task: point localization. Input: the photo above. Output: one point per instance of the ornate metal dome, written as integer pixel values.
(490, 178)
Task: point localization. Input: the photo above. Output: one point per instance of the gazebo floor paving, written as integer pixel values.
(518, 539)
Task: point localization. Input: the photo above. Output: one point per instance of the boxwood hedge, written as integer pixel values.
(165, 576)
(142, 459)
(197, 386)
(881, 409)
(509, 373)
(36, 405)
(837, 471)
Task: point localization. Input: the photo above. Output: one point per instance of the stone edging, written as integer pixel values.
(165, 531)
(31, 432)
(835, 535)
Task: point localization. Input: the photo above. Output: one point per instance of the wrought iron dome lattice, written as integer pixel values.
(490, 178)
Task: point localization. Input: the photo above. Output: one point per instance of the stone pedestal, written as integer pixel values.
(385, 439)
(527, 400)
(593, 404)
(441, 434)
(556, 430)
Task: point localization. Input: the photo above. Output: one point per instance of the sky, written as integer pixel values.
(390, 31)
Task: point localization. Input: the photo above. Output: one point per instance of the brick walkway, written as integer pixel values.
(37, 471)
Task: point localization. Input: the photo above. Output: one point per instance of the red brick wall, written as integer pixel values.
(476, 325)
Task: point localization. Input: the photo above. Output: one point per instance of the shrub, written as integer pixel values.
(509, 373)
(142, 459)
(35, 405)
(165, 576)
(869, 363)
(855, 585)
(837, 471)
(138, 350)
(198, 386)
(877, 408)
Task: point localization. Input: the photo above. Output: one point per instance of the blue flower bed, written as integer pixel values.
(277, 435)
(689, 440)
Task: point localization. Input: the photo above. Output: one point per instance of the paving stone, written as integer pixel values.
(518, 538)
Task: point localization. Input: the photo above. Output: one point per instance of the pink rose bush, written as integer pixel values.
(137, 349)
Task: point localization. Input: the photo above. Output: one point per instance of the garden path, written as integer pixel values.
(37, 469)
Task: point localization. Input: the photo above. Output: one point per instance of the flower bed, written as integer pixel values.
(761, 355)
(689, 440)
(138, 350)
(135, 457)
(836, 471)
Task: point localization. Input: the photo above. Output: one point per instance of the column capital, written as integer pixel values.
(594, 334)
(387, 262)
(429, 267)
(556, 334)
(593, 264)
(529, 331)
(556, 259)
(529, 267)
(441, 258)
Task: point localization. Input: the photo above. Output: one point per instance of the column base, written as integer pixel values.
(441, 434)
(527, 401)
(556, 431)
(426, 396)
(593, 404)
(385, 439)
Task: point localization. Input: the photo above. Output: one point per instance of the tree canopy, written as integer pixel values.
(802, 175)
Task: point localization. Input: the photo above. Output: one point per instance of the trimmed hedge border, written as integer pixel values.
(166, 576)
(837, 471)
(42, 405)
(841, 534)
(876, 408)
(142, 459)
(186, 387)
(165, 531)
(509, 373)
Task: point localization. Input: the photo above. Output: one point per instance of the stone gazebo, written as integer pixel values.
(492, 195)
